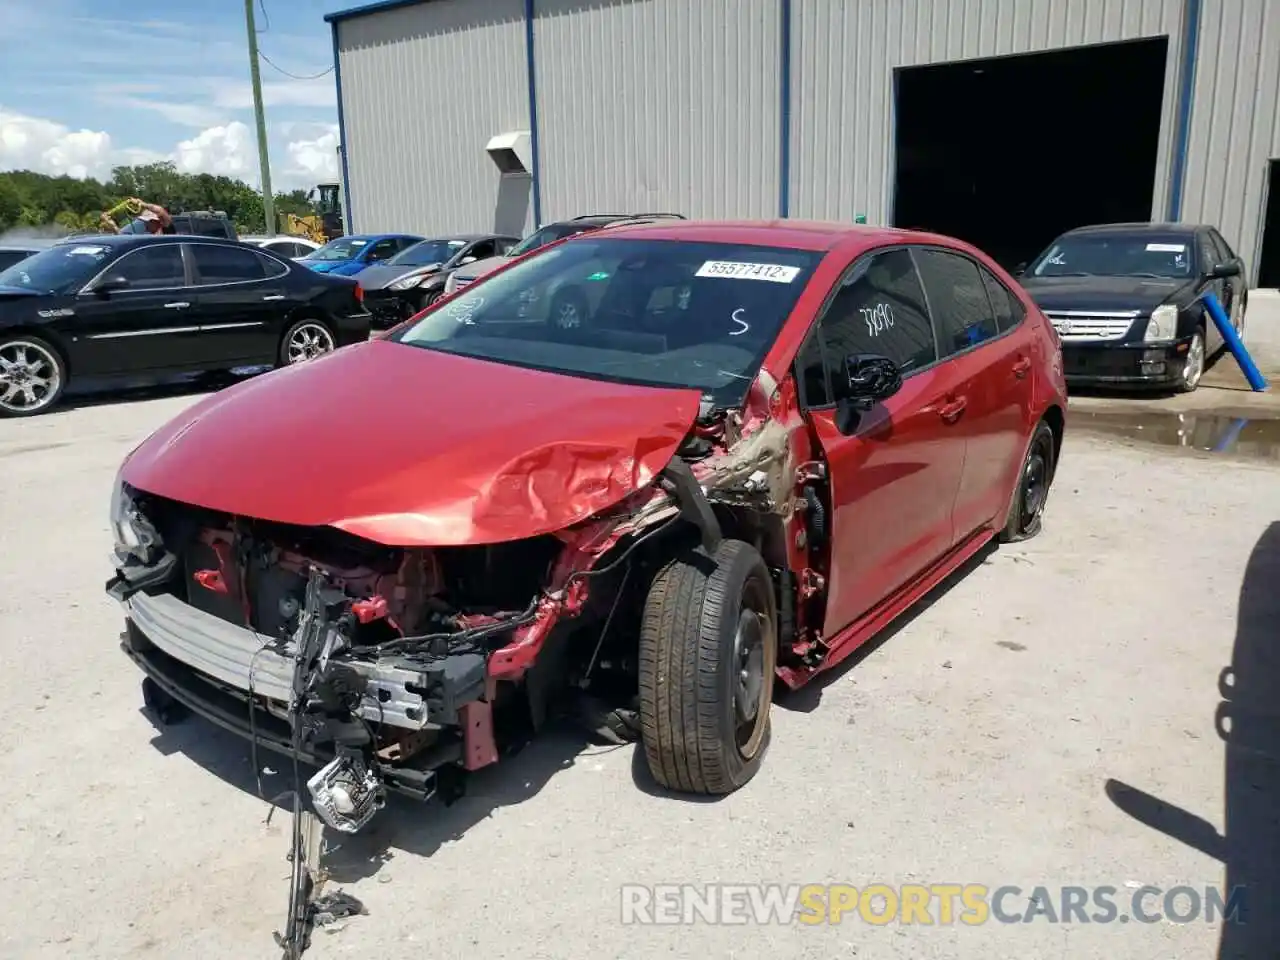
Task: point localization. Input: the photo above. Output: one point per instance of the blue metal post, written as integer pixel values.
(535, 146)
(784, 113)
(1234, 343)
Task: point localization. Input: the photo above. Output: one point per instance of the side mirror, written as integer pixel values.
(465, 260)
(112, 281)
(1020, 269)
(1224, 270)
(868, 379)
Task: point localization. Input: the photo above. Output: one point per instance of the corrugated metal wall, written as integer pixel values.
(1235, 120)
(658, 105)
(424, 88)
(844, 54)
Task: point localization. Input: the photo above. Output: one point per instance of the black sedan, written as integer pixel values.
(415, 278)
(1126, 300)
(111, 308)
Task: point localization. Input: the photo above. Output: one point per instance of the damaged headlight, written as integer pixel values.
(124, 518)
(406, 283)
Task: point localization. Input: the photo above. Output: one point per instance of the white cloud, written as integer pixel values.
(307, 157)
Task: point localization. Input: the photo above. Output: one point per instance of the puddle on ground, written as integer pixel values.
(1255, 437)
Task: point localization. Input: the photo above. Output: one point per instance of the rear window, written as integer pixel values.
(655, 312)
(548, 234)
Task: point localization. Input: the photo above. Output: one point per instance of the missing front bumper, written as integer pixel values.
(253, 663)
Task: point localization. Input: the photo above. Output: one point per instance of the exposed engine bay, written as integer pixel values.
(405, 669)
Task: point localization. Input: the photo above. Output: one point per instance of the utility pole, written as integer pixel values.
(264, 164)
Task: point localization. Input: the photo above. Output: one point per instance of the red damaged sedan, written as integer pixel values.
(664, 464)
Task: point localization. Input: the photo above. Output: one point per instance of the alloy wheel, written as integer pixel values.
(29, 377)
(1193, 366)
(308, 341)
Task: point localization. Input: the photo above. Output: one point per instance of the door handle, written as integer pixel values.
(274, 296)
(1021, 367)
(950, 412)
(177, 305)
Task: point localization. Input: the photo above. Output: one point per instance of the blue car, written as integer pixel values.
(347, 256)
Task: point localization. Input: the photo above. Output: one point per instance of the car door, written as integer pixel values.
(241, 299)
(993, 373)
(893, 475)
(147, 325)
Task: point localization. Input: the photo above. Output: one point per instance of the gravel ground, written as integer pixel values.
(975, 745)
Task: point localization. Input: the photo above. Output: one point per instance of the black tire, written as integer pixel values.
(1034, 480)
(320, 327)
(428, 298)
(43, 362)
(694, 716)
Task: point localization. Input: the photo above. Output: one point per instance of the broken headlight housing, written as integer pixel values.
(124, 518)
(1163, 324)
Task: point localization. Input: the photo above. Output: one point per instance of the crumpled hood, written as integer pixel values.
(410, 447)
(1100, 293)
(380, 275)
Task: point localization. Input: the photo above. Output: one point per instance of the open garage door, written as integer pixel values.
(1008, 152)
(1269, 258)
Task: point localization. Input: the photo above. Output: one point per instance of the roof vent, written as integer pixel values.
(511, 152)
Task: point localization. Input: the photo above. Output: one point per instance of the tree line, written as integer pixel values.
(37, 200)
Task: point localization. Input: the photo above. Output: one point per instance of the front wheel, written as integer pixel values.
(305, 340)
(32, 376)
(1034, 480)
(708, 651)
(1193, 364)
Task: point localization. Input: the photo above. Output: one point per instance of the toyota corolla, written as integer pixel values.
(753, 447)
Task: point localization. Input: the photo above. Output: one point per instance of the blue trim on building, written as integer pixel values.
(352, 12)
(1186, 97)
(784, 112)
(348, 225)
(531, 67)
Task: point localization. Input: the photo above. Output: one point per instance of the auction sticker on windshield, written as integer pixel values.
(87, 251)
(1166, 248)
(732, 270)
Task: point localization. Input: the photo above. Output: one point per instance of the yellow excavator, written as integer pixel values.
(327, 222)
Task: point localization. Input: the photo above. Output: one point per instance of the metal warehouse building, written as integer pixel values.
(1000, 121)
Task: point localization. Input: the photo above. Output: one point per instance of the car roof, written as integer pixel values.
(139, 239)
(1177, 229)
(794, 234)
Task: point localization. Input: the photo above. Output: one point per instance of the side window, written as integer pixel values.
(218, 264)
(1209, 255)
(506, 246)
(271, 267)
(383, 250)
(1225, 252)
(879, 309)
(1006, 307)
(811, 373)
(957, 300)
(158, 267)
(482, 250)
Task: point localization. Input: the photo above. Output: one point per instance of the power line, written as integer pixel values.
(294, 76)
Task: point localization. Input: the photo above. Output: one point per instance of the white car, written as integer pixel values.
(285, 246)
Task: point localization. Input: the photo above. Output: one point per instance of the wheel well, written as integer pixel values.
(40, 334)
(1057, 422)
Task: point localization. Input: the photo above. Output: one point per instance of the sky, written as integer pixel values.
(86, 85)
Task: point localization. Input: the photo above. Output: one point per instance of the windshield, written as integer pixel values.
(428, 251)
(1116, 255)
(651, 312)
(544, 236)
(61, 269)
(344, 248)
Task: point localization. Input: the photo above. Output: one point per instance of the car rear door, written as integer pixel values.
(148, 325)
(242, 299)
(893, 475)
(994, 380)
